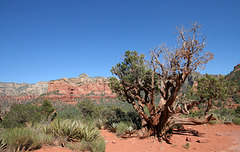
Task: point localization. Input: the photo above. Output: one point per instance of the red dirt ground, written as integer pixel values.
(216, 138)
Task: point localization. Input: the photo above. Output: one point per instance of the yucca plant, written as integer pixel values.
(113, 127)
(66, 128)
(90, 133)
(46, 128)
(125, 129)
(19, 139)
(129, 130)
(3, 144)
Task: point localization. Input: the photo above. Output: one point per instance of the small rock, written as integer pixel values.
(202, 140)
(188, 139)
(114, 141)
(106, 141)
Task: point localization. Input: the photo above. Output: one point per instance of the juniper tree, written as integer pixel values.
(139, 81)
(210, 87)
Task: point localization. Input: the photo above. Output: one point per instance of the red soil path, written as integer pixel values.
(216, 138)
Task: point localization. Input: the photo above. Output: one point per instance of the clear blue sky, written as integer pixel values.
(42, 40)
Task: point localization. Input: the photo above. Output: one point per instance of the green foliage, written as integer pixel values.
(124, 127)
(113, 127)
(225, 114)
(234, 76)
(197, 114)
(47, 109)
(86, 107)
(98, 145)
(132, 71)
(211, 87)
(20, 114)
(68, 112)
(236, 121)
(220, 103)
(24, 139)
(186, 146)
(95, 146)
(236, 97)
(75, 131)
(237, 110)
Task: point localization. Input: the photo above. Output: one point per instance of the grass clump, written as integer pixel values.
(94, 146)
(122, 128)
(186, 146)
(24, 139)
(76, 135)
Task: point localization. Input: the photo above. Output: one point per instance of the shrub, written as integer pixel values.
(213, 122)
(122, 127)
(237, 110)
(95, 146)
(98, 145)
(86, 107)
(113, 127)
(48, 110)
(24, 139)
(67, 131)
(20, 114)
(100, 123)
(68, 112)
(236, 121)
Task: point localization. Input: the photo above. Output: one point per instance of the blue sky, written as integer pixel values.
(42, 40)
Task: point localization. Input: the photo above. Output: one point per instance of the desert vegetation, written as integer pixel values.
(139, 81)
(151, 101)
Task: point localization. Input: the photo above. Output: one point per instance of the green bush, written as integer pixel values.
(86, 107)
(95, 146)
(98, 145)
(68, 112)
(237, 110)
(48, 110)
(20, 114)
(236, 121)
(74, 131)
(122, 127)
(24, 139)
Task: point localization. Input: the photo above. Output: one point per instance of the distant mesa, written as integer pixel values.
(67, 89)
(83, 86)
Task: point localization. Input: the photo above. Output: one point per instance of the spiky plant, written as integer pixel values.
(3, 144)
(90, 132)
(113, 127)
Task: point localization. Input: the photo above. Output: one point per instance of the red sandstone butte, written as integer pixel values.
(81, 86)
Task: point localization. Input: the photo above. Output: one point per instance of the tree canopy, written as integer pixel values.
(139, 80)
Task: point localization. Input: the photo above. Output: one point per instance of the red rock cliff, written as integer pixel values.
(81, 86)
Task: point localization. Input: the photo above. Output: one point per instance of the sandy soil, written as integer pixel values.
(216, 138)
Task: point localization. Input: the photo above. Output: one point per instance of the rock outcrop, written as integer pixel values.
(23, 89)
(83, 86)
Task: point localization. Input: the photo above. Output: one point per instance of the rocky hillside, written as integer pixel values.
(82, 86)
(234, 75)
(23, 89)
(66, 89)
